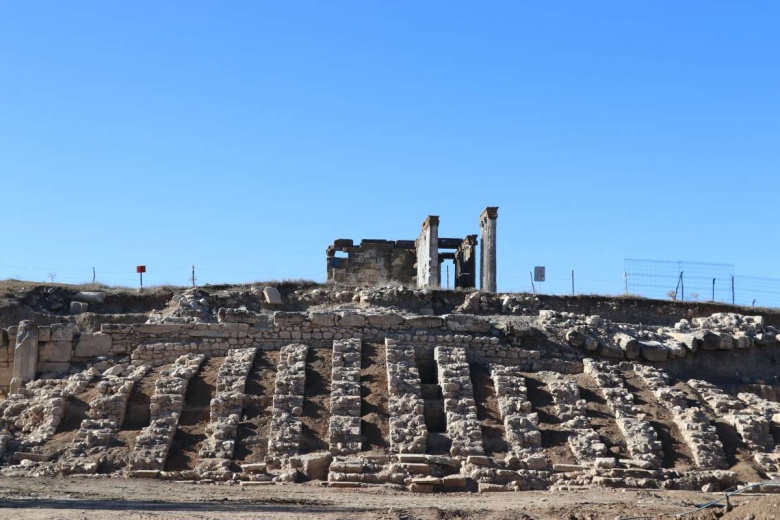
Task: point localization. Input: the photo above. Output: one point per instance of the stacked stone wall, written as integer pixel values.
(641, 439)
(408, 432)
(284, 437)
(460, 409)
(700, 436)
(345, 399)
(154, 442)
(227, 404)
(105, 416)
(521, 425)
(750, 422)
(584, 442)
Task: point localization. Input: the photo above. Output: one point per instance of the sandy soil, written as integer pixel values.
(375, 424)
(121, 499)
(252, 435)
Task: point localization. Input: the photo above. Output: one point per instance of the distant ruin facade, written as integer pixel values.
(417, 262)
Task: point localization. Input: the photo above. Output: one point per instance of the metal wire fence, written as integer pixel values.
(698, 281)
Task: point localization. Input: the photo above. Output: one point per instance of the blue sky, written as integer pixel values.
(243, 137)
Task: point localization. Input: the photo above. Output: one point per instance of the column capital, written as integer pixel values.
(490, 212)
(430, 220)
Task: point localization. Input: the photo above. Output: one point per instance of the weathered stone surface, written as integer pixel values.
(384, 320)
(707, 339)
(466, 323)
(653, 351)
(323, 319)
(78, 307)
(91, 345)
(289, 319)
(313, 465)
(352, 320)
(25, 353)
(628, 344)
(55, 352)
(425, 322)
(64, 332)
(90, 296)
(272, 296)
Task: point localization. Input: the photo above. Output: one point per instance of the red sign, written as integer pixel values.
(140, 269)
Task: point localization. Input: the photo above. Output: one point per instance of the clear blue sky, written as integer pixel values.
(243, 137)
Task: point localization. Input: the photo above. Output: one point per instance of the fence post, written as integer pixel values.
(572, 282)
(732, 291)
(713, 289)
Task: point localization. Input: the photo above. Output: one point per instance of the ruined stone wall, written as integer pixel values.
(372, 262)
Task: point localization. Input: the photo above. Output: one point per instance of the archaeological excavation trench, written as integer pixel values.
(493, 393)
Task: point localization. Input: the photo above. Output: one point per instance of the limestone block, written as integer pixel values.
(92, 345)
(628, 344)
(272, 296)
(742, 341)
(384, 320)
(466, 323)
(323, 319)
(64, 331)
(55, 352)
(26, 352)
(44, 334)
(313, 465)
(352, 320)
(611, 351)
(726, 342)
(689, 341)
(148, 328)
(6, 373)
(425, 322)
(90, 296)
(78, 307)
(653, 351)
(708, 340)
(289, 319)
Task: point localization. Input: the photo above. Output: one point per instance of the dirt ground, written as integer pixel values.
(123, 499)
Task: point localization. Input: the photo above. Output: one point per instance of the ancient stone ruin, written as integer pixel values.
(418, 389)
(418, 262)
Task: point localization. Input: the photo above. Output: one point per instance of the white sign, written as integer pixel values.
(539, 273)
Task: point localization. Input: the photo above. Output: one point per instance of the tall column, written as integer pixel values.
(428, 254)
(25, 355)
(487, 257)
(466, 263)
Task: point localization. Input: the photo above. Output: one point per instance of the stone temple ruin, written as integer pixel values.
(355, 387)
(418, 263)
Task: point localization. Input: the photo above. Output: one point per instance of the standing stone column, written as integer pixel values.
(25, 355)
(487, 257)
(428, 270)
